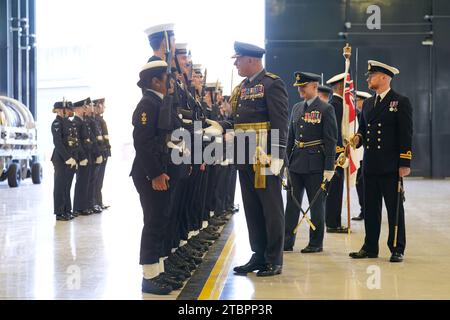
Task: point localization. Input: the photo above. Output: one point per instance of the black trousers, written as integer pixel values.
(59, 188)
(291, 214)
(99, 184)
(93, 179)
(178, 176)
(377, 188)
(333, 203)
(156, 219)
(265, 216)
(311, 183)
(360, 189)
(70, 173)
(222, 179)
(80, 202)
(231, 187)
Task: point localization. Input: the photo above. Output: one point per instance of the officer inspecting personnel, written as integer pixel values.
(260, 103)
(311, 152)
(385, 133)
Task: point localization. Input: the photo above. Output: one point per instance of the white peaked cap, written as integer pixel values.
(336, 78)
(159, 28)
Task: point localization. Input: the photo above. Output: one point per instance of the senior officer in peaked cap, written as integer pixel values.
(385, 132)
(311, 151)
(260, 103)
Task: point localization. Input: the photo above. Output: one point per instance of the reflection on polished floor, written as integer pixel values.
(96, 257)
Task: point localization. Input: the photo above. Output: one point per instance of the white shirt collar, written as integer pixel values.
(255, 75)
(310, 101)
(338, 95)
(159, 94)
(383, 94)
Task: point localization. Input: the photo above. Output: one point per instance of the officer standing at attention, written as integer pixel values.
(99, 110)
(311, 152)
(385, 132)
(361, 96)
(333, 206)
(73, 145)
(260, 103)
(81, 203)
(149, 173)
(62, 161)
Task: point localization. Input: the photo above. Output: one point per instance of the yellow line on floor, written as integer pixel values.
(216, 280)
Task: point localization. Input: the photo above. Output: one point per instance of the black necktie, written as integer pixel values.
(377, 103)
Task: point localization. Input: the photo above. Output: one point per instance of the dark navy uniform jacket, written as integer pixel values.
(151, 153)
(104, 129)
(61, 152)
(82, 153)
(264, 99)
(317, 122)
(386, 133)
(337, 103)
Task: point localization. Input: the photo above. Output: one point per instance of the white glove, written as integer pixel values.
(84, 163)
(276, 165)
(71, 162)
(328, 175)
(215, 129)
(225, 163)
(99, 160)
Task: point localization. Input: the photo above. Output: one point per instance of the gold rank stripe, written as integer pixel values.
(407, 155)
(253, 126)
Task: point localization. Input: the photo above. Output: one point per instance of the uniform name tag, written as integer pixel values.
(314, 117)
(256, 92)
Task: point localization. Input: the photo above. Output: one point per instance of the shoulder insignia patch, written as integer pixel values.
(271, 75)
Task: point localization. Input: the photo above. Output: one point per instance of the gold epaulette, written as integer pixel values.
(407, 156)
(273, 76)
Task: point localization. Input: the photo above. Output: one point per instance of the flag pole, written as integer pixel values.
(347, 55)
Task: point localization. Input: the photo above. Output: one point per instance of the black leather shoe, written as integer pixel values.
(97, 209)
(270, 270)
(288, 249)
(249, 267)
(191, 260)
(165, 278)
(86, 213)
(396, 257)
(310, 249)
(176, 271)
(63, 217)
(75, 214)
(208, 236)
(105, 207)
(337, 230)
(362, 254)
(154, 286)
(358, 218)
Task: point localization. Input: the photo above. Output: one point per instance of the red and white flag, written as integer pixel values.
(350, 126)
